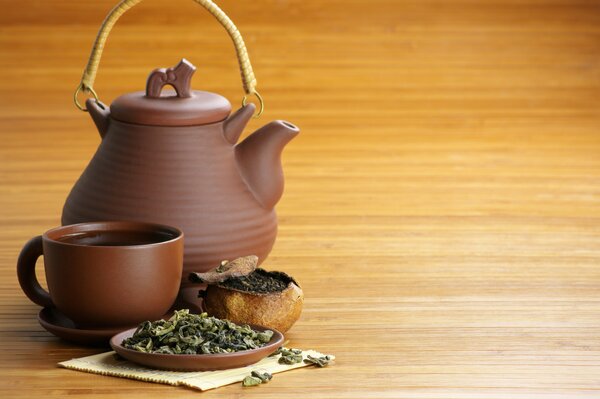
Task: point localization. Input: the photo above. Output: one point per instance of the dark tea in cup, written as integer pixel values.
(104, 238)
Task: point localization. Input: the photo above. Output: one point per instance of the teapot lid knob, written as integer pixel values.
(158, 106)
(179, 76)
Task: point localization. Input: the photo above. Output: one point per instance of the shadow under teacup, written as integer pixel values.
(103, 274)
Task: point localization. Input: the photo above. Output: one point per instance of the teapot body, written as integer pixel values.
(184, 176)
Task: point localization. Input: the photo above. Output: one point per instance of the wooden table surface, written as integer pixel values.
(442, 203)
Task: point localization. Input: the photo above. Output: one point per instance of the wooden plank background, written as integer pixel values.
(442, 204)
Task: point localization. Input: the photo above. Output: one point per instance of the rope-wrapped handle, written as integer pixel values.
(89, 74)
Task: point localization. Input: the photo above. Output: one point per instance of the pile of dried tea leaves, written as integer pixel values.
(192, 334)
(259, 281)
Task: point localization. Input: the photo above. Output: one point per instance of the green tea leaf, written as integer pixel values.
(321, 361)
(264, 376)
(251, 381)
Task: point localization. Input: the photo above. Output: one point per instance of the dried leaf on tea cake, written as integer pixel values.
(236, 268)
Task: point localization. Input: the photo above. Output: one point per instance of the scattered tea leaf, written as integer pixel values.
(264, 376)
(288, 355)
(321, 361)
(277, 352)
(290, 359)
(256, 378)
(251, 381)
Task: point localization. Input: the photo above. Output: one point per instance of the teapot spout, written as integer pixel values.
(259, 160)
(100, 114)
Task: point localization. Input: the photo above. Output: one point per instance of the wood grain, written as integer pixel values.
(442, 204)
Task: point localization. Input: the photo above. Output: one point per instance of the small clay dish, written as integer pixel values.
(208, 362)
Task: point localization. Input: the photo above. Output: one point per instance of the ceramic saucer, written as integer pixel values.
(60, 325)
(217, 361)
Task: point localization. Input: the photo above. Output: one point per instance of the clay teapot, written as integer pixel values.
(172, 157)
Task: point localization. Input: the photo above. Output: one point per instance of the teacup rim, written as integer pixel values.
(104, 225)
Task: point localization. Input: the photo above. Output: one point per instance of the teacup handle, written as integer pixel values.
(26, 272)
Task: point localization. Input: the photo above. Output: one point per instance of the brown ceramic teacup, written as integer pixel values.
(105, 273)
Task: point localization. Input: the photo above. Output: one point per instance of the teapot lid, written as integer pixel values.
(179, 107)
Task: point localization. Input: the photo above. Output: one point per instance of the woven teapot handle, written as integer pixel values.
(89, 74)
